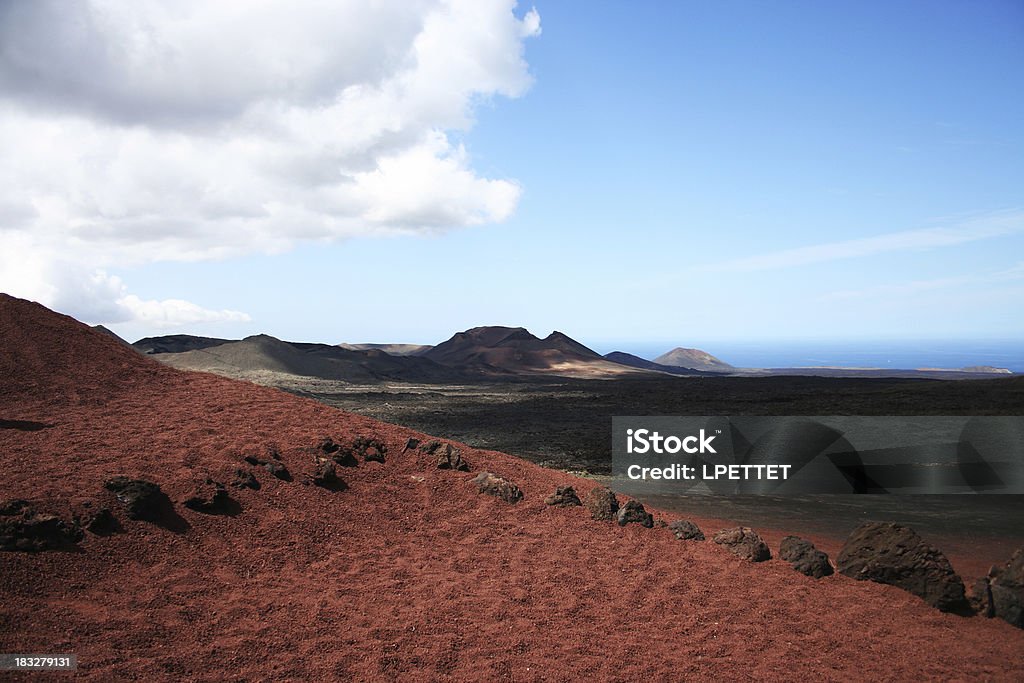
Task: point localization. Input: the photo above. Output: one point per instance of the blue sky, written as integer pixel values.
(690, 174)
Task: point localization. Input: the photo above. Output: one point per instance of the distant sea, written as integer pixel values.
(902, 355)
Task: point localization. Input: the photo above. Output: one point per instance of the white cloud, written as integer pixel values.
(144, 131)
(95, 296)
(175, 312)
(980, 228)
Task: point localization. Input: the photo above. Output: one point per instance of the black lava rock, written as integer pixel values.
(31, 532)
(686, 530)
(564, 496)
(743, 542)
(894, 554)
(211, 497)
(633, 512)
(499, 487)
(602, 504)
(449, 458)
(804, 557)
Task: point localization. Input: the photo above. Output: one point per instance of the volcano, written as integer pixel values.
(693, 359)
(515, 351)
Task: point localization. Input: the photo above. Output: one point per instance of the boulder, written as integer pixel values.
(804, 557)
(211, 497)
(894, 554)
(685, 530)
(633, 512)
(499, 487)
(341, 455)
(327, 446)
(449, 458)
(142, 499)
(274, 466)
(277, 469)
(602, 504)
(743, 542)
(345, 458)
(100, 522)
(411, 444)
(369, 449)
(1001, 593)
(325, 475)
(32, 532)
(564, 496)
(430, 447)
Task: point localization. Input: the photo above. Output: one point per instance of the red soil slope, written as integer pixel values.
(408, 574)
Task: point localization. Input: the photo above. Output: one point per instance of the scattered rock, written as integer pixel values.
(325, 475)
(31, 532)
(449, 458)
(1003, 591)
(602, 504)
(245, 479)
(211, 497)
(430, 446)
(743, 542)
(278, 470)
(685, 530)
(564, 496)
(894, 554)
(633, 512)
(369, 449)
(345, 458)
(341, 455)
(327, 446)
(411, 444)
(101, 522)
(660, 523)
(499, 487)
(274, 466)
(804, 557)
(142, 499)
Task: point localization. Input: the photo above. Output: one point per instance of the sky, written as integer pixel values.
(675, 173)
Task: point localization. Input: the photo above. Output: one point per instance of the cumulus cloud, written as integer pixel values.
(151, 130)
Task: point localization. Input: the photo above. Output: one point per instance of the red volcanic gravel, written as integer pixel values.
(408, 574)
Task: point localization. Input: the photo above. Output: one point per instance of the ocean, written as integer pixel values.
(903, 355)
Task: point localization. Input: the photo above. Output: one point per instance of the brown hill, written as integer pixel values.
(632, 361)
(695, 359)
(42, 351)
(177, 343)
(263, 353)
(514, 350)
(408, 574)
